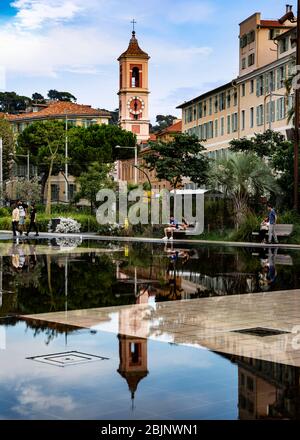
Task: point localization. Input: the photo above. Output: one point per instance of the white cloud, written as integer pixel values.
(33, 14)
(191, 12)
(60, 49)
(32, 399)
(74, 45)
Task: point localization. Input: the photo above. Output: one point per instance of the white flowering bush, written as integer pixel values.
(68, 225)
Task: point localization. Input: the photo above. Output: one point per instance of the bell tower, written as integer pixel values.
(134, 92)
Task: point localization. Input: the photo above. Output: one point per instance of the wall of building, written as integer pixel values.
(248, 111)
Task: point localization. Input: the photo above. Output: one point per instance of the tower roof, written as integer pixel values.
(134, 49)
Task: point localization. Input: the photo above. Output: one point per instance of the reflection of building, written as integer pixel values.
(268, 390)
(133, 360)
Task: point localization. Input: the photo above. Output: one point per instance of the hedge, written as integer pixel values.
(88, 222)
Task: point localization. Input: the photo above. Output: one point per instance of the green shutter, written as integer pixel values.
(273, 111)
(267, 82)
(258, 87)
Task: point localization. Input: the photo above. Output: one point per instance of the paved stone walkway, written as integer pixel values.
(210, 323)
(7, 235)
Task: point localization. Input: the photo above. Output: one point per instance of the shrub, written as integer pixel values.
(289, 217)
(244, 233)
(4, 212)
(68, 225)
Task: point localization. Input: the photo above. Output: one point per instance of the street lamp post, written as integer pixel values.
(66, 164)
(66, 179)
(297, 118)
(1, 172)
(135, 161)
(291, 17)
(144, 172)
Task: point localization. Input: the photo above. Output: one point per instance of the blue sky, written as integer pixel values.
(73, 45)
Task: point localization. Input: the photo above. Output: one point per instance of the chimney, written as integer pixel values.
(289, 8)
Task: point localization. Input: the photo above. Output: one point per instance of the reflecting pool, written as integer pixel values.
(50, 370)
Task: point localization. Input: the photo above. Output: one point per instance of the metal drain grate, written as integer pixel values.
(260, 331)
(67, 358)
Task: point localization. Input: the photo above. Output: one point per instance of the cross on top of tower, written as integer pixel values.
(133, 29)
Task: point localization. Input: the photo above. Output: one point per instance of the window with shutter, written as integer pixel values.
(222, 126)
(273, 111)
(243, 119)
(251, 117)
(268, 112)
(258, 86)
(228, 124)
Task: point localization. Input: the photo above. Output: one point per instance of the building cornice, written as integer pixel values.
(261, 70)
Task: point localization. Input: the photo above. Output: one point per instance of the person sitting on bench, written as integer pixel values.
(170, 229)
(263, 230)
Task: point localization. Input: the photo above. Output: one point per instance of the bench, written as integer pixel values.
(190, 230)
(280, 259)
(281, 230)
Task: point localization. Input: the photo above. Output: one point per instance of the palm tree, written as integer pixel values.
(242, 175)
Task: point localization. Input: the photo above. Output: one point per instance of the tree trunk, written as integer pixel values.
(43, 186)
(240, 209)
(48, 205)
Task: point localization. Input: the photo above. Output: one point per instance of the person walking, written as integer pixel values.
(22, 216)
(15, 220)
(33, 222)
(272, 216)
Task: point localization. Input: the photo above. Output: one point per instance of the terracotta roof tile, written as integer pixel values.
(175, 128)
(272, 23)
(134, 49)
(152, 137)
(60, 109)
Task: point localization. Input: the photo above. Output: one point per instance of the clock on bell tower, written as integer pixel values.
(134, 92)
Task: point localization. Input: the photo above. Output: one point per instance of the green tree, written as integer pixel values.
(97, 144)
(182, 157)
(61, 96)
(241, 176)
(7, 136)
(46, 143)
(12, 103)
(273, 147)
(93, 180)
(37, 97)
(29, 190)
(162, 122)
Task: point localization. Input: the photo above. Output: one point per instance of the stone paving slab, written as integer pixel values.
(209, 323)
(7, 235)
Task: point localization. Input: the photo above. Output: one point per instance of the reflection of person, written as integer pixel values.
(263, 230)
(268, 273)
(33, 221)
(15, 220)
(271, 276)
(272, 216)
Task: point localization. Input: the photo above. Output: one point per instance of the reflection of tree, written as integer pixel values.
(50, 329)
(92, 284)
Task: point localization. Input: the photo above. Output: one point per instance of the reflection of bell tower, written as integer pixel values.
(133, 360)
(133, 93)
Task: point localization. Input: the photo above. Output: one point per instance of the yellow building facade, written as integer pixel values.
(256, 99)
